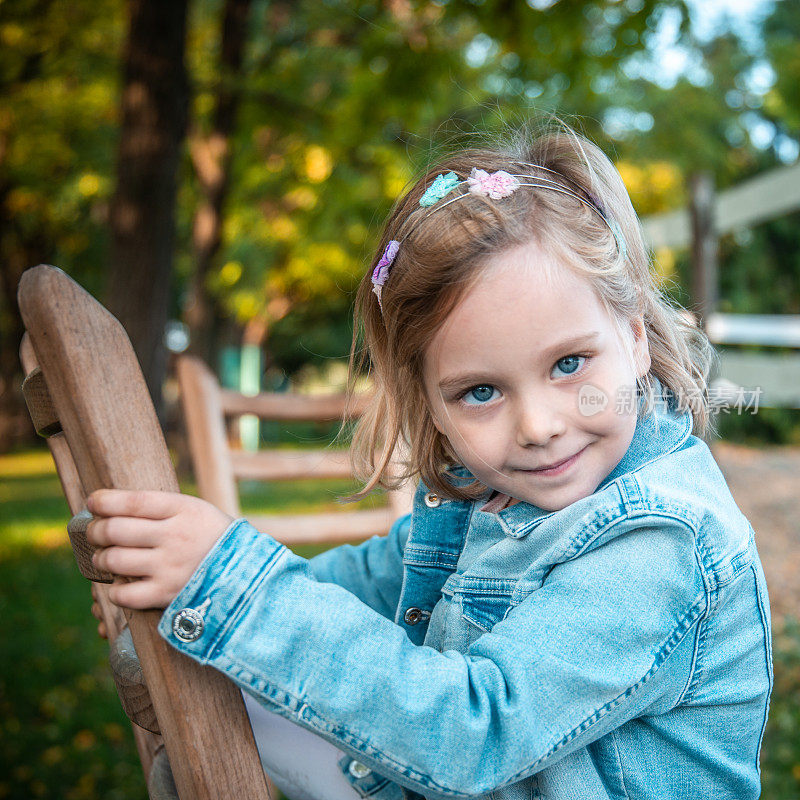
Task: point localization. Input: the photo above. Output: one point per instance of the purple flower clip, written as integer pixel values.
(381, 271)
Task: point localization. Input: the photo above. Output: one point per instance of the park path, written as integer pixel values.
(765, 483)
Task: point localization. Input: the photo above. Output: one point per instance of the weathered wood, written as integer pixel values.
(114, 620)
(705, 246)
(217, 467)
(40, 406)
(766, 196)
(290, 465)
(764, 380)
(292, 407)
(129, 679)
(160, 783)
(76, 528)
(100, 397)
(770, 330)
(205, 430)
(344, 526)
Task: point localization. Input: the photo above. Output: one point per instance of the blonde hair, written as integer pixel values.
(443, 252)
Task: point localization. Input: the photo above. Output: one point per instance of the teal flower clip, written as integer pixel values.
(615, 229)
(443, 185)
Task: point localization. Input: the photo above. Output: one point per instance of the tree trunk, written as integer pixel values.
(154, 111)
(18, 250)
(15, 424)
(211, 156)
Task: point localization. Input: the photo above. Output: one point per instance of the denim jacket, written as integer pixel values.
(617, 648)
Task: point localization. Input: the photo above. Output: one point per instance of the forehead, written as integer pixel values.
(523, 304)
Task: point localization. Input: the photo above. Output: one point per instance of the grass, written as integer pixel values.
(63, 734)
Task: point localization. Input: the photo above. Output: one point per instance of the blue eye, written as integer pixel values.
(569, 364)
(478, 395)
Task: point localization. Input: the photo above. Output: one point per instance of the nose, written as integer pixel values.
(537, 422)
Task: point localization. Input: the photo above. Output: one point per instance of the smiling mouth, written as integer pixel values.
(559, 466)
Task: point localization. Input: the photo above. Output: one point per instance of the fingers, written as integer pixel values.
(97, 613)
(132, 562)
(141, 504)
(123, 531)
(139, 595)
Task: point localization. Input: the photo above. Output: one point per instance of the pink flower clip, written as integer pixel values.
(492, 184)
(381, 271)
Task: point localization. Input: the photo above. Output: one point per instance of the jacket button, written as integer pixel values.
(432, 500)
(413, 615)
(358, 770)
(188, 625)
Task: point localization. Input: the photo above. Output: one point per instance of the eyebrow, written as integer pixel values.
(469, 378)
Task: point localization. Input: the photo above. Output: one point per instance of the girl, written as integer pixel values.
(575, 608)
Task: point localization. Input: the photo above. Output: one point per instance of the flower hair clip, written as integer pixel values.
(492, 184)
(441, 186)
(495, 186)
(381, 271)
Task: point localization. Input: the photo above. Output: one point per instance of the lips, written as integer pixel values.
(553, 466)
(556, 464)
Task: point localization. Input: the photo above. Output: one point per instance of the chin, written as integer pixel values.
(558, 501)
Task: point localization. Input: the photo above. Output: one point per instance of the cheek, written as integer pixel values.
(617, 418)
(470, 438)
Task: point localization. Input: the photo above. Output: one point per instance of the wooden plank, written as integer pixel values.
(704, 246)
(670, 229)
(113, 434)
(215, 466)
(290, 465)
(336, 527)
(749, 203)
(763, 197)
(775, 330)
(292, 407)
(146, 743)
(40, 406)
(205, 430)
(777, 376)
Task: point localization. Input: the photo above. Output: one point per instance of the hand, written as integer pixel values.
(157, 538)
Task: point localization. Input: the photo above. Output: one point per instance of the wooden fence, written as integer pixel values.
(772, 378)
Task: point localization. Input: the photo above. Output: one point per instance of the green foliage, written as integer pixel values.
(344, 102)
(58, 118)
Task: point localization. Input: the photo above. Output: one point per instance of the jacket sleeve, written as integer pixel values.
(371, 570)
(604, 639)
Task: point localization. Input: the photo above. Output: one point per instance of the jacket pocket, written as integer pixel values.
(484, 610)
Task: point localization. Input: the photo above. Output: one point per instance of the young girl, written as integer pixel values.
(575, 608)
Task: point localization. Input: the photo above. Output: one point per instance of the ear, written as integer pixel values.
(641, 346)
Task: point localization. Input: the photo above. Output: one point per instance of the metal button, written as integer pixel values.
(413, 615)
(432, 500)
(188, 625)
(358, 770)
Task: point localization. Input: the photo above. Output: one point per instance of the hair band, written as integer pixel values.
(495, 185)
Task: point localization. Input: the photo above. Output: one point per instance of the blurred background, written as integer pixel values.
(216, 172)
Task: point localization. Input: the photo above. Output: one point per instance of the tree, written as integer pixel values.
(57, 116)
(155, 97)
(211, 157)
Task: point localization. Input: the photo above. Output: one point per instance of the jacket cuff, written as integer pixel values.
(203, 611)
